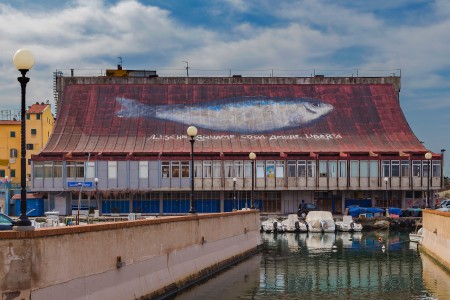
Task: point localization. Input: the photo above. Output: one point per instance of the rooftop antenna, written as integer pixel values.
(187, 67)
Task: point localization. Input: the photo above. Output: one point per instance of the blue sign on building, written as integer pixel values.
(75, 184)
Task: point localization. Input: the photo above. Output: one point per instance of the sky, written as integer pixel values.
(407, 38)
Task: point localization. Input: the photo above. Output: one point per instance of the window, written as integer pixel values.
(395, 168)
(436, 169)
(354, 168)
(2, 173)
(425, 168)
(228, 166)
(90, 169)
(270, 169)
(197, 169)
(416, 168)
(323, 172)
(12, 134)
(13, 173)
(301, 168)
(239, 169)
(279, 171)
(260, 169)
(247, 169)
(332, 168)
(364, 168)
(185, 169)
(175, 169)
(75, 169)
(405, 168)
(39, 169)
(374, 168)
(292, 168)
(30, 146)
(48, 169)
(342, 168)
(28, 116)
(57, 169)
(33, 131)
(207, 169)
(165, 167)
(112, 169)
(38, 116)
(13, 153)
(385, 168)
(143, 169)
(311, 167)
(217, 169)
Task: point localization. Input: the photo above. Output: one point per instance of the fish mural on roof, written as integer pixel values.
(255, 114)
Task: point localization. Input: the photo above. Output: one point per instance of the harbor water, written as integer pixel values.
(367, 265)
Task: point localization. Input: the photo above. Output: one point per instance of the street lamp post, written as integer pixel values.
(23, 60)
(386, 179)
(428, 157)
(192, 133)
(252, 157)
(96, 193)
(234, 193)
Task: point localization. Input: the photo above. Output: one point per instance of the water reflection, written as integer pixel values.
(369, 265)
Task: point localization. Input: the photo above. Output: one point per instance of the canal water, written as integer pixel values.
(330, 266)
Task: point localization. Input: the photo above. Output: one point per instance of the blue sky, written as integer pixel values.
(248, 37)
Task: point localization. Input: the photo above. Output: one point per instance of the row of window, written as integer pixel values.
(243, 169)
(13, 133)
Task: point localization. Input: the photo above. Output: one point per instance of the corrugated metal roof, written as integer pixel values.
(231, 118)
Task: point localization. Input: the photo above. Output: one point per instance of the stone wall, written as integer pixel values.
(436, 237)
(123, 260)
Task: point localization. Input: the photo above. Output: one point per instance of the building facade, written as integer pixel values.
(120, 145)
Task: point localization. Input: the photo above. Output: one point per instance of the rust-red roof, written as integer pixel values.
(37, 108)
(153, 118)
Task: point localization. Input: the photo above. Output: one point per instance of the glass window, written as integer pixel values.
(270, 169)
(33, 131)
(112, 169)
(90, 169)
(2, 173)
(228, 167)
(385, 168)
(12, 134)
(436, 169)
(405, 168)
(332, 168)
(143, 169)
(57, 169)
(165, 167)
(395, 168)
(13, 153)
(38, 169)
(175, 169)
(364, 168)
(238, 169)
(13, 173)
(301, 168)
(354, 168)
(279, 171)
(311, 166)
(217, 169)
(207, 169)
(323, 172)
(374, 168)
(30, 146)
(342, 168)
(425, 168)
(185, 169)
(416, 168)
(48, 169)
(292, 168)
(75, 169)
(260, 169)
(197, 169)
(247, 169)
(38, 116)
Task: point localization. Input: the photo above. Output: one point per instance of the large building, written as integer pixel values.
(335, 141)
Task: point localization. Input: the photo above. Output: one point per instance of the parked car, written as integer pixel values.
(305, 208)
(6, 223)
(444, 202)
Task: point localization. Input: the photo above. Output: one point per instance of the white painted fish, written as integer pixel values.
(256, 114)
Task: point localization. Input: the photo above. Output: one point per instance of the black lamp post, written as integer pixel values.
(428, 157)
(252, 157)
(386, 179)
(23, 60)
(192, 133)
(96, 193)
(234, 193)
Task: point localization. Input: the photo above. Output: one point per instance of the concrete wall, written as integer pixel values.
(436, 236)
(157, 256)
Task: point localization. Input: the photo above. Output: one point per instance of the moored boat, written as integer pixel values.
(293, 224)
(348, 224)
(320, 221)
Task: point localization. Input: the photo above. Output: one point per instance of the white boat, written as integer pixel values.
(293, 224)
(416, 236)
(320, 221)
(272, 225)
(347, 224)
